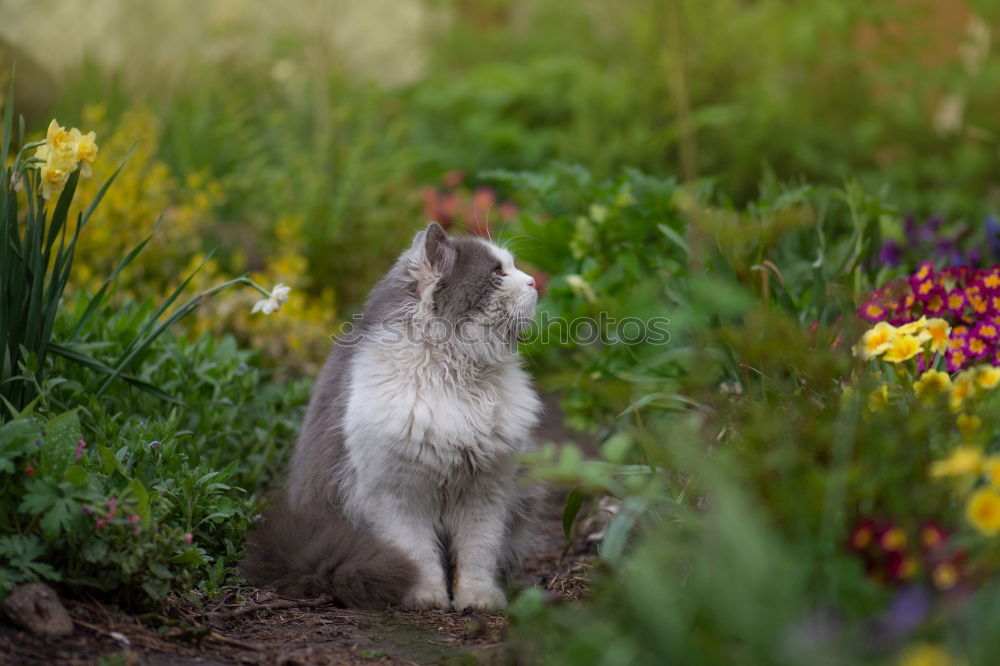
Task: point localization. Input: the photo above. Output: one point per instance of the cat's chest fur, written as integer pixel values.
(408, 405)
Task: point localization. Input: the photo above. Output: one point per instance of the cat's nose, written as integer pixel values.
(532, 283)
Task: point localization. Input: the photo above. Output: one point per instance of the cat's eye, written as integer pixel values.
(499, 271)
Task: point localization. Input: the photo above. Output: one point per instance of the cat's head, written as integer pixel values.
(468, 280)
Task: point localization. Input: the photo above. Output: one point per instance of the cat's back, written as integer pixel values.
(319, 451)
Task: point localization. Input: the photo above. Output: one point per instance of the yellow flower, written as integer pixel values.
(983, 511)
(876, 341)
(62, 153)
(917, 328)
(963, 387)
(86, 150)
(57, 138)
(925, 654)
(968, 424)
(944, 576)
(939, 331)
(991, 469)
(931, 383)
(878, 398)
(987, 376)
(963, 461)
(902, 348)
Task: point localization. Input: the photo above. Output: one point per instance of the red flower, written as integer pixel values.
(863, 534)
(933, 536)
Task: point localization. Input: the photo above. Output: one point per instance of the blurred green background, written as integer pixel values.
(313, 128)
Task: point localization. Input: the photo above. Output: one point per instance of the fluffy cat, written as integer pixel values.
(403, 486)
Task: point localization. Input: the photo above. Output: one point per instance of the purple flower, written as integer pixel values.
(891, 253)
(906, 612)
(992, 228)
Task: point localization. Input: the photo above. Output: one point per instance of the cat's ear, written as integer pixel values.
(434, 255)
(435, 248)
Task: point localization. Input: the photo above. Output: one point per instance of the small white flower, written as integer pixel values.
(273, 302)
(280, 293)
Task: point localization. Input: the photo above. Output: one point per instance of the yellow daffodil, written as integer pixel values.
(86, 150)
(53, 180)
(926, 654)
(968, 424)
(938, 331)
(903, 348)
(963, 461)
(932, 383)
(987, 376)
(63, 151)
(983, 511)
(57, 138)
(991, 470)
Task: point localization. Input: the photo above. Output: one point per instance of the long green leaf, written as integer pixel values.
(99, 296)
(139, 343)
(94, 364)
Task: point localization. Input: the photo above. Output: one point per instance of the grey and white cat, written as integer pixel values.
(404, 484)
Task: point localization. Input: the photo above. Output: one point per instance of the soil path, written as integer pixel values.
(250, 626)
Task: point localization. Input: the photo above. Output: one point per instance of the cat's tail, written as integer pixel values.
(310, 556)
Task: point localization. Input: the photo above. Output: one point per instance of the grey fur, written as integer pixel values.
(317, 544)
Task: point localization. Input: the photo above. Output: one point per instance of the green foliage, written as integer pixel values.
(36, 255)
(741, 464)
(144, 497)
(131, 488)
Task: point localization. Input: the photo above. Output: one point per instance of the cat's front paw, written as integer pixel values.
(479, 596)
(423, 597)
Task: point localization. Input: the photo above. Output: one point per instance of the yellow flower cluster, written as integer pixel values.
(968, 384)
(898, 344)
(144, 191)
(968, 463)
(927, 654)
(63, 152)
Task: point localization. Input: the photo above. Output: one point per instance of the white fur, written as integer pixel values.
(432, 432)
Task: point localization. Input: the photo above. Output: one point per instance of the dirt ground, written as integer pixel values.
(250, 626)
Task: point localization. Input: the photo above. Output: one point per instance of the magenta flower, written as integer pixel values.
(987, 330)
(922, 289)
(956, 302)
(937, 302)
(188, 538)
(873, 311)
(956, 359)
(80, 446)
(978, 348)
(924, 272)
